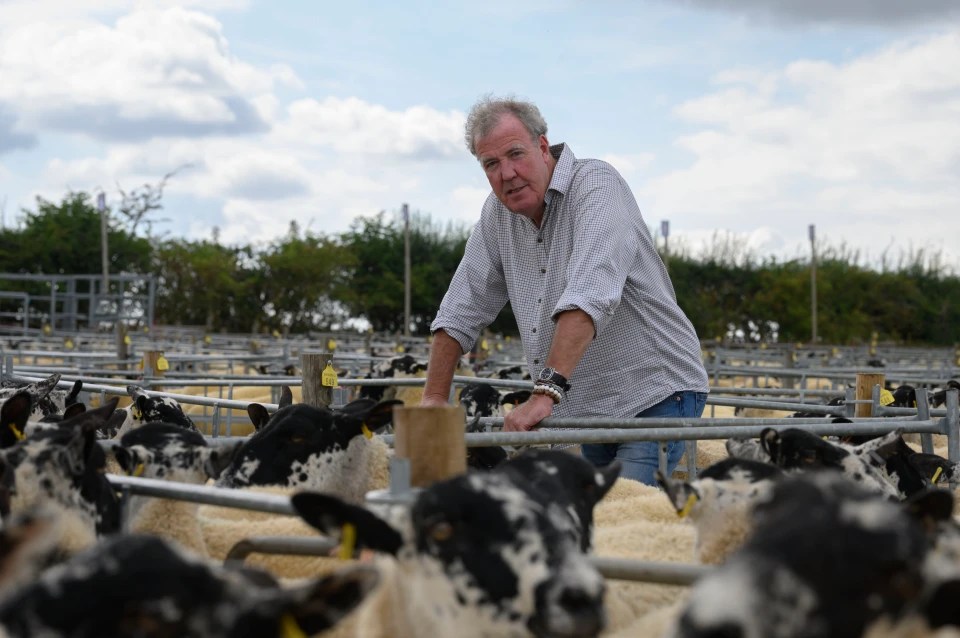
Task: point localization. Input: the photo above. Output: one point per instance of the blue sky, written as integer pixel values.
(741, 119)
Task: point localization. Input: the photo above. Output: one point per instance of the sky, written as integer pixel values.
(741, 122)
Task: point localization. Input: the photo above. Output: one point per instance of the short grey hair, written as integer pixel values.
(488, 110)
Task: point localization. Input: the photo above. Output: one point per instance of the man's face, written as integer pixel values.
(518, 168)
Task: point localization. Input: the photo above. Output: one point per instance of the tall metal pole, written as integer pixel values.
(406, 270)
(104, 258)
(813, 285)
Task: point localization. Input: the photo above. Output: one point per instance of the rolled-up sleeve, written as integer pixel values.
(478, 290)
(602, 255)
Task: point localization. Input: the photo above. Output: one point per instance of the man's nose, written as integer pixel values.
(507, 171)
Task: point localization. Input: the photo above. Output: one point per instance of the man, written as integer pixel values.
(563, 241)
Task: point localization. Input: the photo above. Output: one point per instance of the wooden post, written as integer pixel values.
(154, 366)
(432, 439)
(865, 383)
(312, 365)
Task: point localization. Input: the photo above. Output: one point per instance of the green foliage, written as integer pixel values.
(64, 238)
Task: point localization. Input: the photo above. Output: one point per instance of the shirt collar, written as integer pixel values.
(562, 172)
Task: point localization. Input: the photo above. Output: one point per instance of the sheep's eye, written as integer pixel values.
(441, 532)
(296, 438)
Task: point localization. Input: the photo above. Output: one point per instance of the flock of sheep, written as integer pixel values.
(805, 537)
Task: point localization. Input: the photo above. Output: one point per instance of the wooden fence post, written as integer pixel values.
(432, 439)
(865, 383)
(154, 365)
(312, 365)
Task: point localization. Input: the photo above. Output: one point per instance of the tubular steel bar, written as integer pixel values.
(293, 545)
(664, 573)
(225, 497)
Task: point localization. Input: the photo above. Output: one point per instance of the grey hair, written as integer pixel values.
(488, 110)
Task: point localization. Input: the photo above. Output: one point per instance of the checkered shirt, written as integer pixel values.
(594, 252)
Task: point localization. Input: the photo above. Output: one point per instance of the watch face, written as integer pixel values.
(546, 373)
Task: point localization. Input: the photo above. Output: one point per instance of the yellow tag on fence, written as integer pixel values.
(484, 345)
(163, 364)
(328, 377)
(331, 345)
(68, 344)
(207, 339)
(886, 397)
(127, 340)
(400, 348)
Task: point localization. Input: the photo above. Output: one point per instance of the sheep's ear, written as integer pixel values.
(89, 421)
(13, 418)
(127, 458)
(770, 442)
(258, 415)
(319, 605)
(286, 397)
(365, 412)
(220, 456)
(679, 493)
(73, 410)
(609, 473)
(74, 393)
(329, 515)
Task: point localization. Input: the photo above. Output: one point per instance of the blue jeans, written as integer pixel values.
(639, 458)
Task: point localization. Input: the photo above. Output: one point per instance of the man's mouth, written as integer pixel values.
(514, 191)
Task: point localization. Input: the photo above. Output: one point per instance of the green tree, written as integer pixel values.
(64, 238)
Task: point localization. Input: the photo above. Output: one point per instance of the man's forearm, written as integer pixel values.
(572, 336)
(445, 352)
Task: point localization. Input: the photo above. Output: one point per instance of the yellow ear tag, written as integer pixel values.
(691, 501)
(328, 377)
(348, 541)
(936, 475)
(289, 627)
(127, 340)
(18, 435)
(162, 363)
(138, 471)
(366, 431)
(135, 411)
(886, 397)
(331, 344)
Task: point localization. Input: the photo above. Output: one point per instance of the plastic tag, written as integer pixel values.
(328, 377)
(936, 475)
(366, 431)
(207, 339)
(348, 540)
(68, 344)
(400, 348)
(289, 627)
(138, 471)
(126, 340)
(17, 434)
(276, 334)
(331, 345)
(886, 397)
(691, 501)
(162, 363)
(484, 345)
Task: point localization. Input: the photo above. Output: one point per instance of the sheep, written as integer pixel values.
(487, 553)
(321, 448)
(782, 584)
(141, 585)
(169, 452)
(147, 409)
(719, 503)
(63, 467)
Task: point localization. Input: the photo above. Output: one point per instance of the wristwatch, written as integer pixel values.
(550, 375)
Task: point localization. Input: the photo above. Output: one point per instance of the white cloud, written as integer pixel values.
(350, 125)
(154, 72)
(844, 146)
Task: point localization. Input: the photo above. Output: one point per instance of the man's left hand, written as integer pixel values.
(528, 414)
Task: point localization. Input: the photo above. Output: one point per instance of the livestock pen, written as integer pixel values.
(214, 386)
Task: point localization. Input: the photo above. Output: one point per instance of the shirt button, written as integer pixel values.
(543, 270)
(540, 300)
(534, 329)
(536, 362)
(539, 240)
